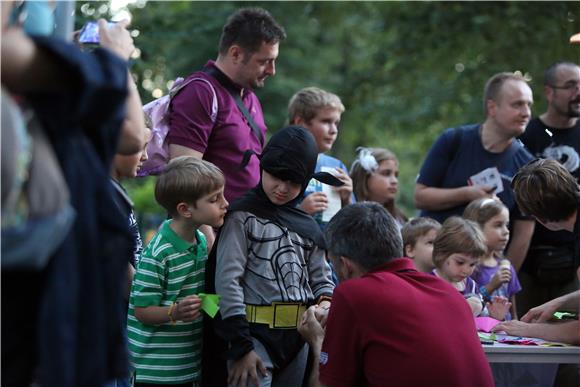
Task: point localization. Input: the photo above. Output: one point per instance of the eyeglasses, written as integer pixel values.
(569, 87)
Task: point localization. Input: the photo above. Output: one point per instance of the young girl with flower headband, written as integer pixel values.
(374, 176)
(495, 276)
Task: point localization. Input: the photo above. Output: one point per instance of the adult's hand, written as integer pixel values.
(514, 328)
(116, 38)
(542, 313)
(310, 328)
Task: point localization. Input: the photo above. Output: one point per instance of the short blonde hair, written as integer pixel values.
(186, 179)
(494, 86)
(309, 101)
(458, 236)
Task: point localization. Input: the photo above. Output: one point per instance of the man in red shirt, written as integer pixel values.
(389, 324)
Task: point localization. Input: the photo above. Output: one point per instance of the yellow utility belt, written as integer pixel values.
(279, 315)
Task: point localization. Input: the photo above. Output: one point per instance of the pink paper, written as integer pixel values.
(485, 324)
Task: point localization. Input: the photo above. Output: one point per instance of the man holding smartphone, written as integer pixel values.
(248, 50)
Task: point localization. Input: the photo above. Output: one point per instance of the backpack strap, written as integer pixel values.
(220, 77)
(457, 137)
(180, 83)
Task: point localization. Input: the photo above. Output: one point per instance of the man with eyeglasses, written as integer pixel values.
(548, 270)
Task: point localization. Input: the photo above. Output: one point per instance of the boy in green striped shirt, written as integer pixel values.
(164, 323)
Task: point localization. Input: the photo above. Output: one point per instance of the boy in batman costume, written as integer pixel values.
(268, 265)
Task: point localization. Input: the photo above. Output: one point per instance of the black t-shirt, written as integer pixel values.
(562, 144)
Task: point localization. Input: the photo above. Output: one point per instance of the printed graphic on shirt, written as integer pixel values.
(565, 154)
(283, 264)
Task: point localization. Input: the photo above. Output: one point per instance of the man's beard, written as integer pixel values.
(574, 112)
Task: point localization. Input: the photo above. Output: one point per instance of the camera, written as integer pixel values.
(90, 32)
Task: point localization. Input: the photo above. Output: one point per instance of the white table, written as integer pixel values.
(507, 353)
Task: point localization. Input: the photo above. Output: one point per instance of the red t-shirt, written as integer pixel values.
(398, 327)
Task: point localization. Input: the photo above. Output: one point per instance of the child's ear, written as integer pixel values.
(183, 209)
(409, 251)
(299, 121)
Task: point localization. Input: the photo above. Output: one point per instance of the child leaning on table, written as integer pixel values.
(270, 266)
(164, 323)
(459, 246)
(495, 275)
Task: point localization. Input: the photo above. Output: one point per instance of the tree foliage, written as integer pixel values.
(404, 70)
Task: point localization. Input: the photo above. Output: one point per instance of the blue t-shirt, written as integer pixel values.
(459, 154)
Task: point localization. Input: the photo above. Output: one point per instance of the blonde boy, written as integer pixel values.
(164, 321)
(319, 111)
(418, 236)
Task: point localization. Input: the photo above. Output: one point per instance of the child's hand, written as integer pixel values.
(498, 307)
(475, 305)
(315, 202)
(321, 312)
(187, 309)
(344, 190)
(502, 276)
(246, 367)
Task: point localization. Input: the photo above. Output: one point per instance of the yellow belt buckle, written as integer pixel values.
(286, 316)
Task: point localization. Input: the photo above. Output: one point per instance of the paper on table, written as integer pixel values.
(209, 303)
(333, 197)
(485, 324)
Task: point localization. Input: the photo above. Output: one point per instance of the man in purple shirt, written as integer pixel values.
(248, 49)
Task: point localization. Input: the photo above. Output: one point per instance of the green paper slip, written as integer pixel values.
(209, 303)
(564, 315)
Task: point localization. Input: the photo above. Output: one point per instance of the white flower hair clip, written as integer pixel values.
(366, 160)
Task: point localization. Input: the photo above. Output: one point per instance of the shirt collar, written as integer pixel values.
(177, 242)
(224, 80)
(395, 265)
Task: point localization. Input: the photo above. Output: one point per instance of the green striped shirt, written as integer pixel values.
(169, 270)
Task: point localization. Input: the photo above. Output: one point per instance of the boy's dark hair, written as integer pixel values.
(458, 236)
(365, 233)
(186, 179)
(249, 28)
(494, 85)
(545, 189)
(550, 73)
(416, 228)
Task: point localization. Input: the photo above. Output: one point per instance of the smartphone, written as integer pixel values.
(90, 33)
